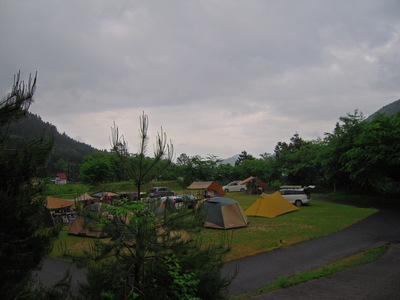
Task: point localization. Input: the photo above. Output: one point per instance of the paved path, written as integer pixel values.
(53, 271)
(377, 280)
(255, 271)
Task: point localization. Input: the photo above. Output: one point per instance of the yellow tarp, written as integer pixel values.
(270, 206)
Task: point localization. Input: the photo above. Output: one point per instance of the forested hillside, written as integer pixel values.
(67, 154)
(388, 110)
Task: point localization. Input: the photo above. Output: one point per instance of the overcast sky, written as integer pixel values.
(219, 76)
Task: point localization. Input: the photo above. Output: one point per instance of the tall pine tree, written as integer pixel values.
(24, 240)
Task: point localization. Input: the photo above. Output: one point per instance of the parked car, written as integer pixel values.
(234, 186)
(297, 195)
(160, 191)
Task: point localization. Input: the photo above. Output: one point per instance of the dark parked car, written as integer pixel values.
(160, 191)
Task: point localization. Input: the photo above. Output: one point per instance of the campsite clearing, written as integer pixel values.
(261, 234)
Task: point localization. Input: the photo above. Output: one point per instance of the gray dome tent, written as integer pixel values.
(224, 213)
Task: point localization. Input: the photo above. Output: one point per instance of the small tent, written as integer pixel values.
(211, 188)
(270, 206)
(223, 213)
(86, 226)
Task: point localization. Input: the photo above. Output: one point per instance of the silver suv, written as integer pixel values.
(160, 191)
(297, 195)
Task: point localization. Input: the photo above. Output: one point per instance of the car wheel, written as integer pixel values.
(242, 190)
(226, 191)
(298, 203)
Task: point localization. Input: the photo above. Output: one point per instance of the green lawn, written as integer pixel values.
(262, 234)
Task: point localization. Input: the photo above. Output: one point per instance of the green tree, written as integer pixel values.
(198, 168)
(374, 158)
(272, 172)
(151, 256)
(62, 165)
(289, 160)
(334, 157)
(97, 168)
(243, 157)
(253, 167)
(23, 238)
(303, 164)
(225, 173)
(183, 159)
(117, 168)
(140, 168)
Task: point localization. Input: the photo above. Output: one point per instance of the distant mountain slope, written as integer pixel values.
(231, 160)
(389, 109)
(67, 153)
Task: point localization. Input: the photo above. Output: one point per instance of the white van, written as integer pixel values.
(297, 195)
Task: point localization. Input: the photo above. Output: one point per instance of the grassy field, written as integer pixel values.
(261, 234)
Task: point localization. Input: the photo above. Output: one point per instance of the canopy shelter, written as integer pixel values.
(223, 213)
(85, 197)
(53, 203)
(106, 197)
(209, 188)
(104, 194)
(84, 200)
(270, 206)
(60, 209)
(256, 186)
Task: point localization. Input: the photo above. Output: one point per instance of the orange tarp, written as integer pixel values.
(56, 203)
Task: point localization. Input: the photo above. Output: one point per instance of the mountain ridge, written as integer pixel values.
(67, 154)
(389, 110)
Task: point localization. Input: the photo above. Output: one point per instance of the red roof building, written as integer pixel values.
(61, 179)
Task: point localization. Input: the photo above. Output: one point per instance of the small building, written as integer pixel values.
(61, 179)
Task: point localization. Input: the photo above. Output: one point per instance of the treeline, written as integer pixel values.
(358, 155)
